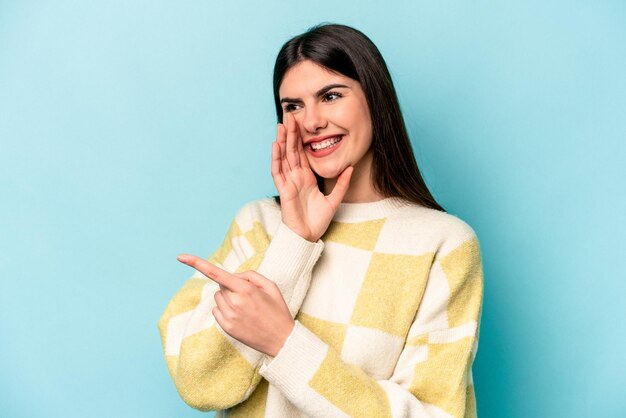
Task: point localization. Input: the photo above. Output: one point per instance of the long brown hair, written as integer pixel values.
(348, 51)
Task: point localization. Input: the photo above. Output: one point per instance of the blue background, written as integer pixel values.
(133, 131)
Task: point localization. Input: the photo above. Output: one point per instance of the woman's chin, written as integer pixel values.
(329, 173)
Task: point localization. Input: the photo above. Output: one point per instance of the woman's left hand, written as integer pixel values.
(250, 307)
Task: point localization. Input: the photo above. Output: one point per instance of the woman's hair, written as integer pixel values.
(347, 51)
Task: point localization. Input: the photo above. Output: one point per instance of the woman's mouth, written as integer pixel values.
(318, 148)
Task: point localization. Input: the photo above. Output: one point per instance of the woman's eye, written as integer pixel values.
(331, 95)
(328, 97)
(290, 108)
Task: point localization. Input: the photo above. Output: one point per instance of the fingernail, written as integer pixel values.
(182, 258)
(285, 119)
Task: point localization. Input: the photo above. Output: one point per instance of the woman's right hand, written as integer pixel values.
(305, 209)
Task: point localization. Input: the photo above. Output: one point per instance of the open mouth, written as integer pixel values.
(325, 144)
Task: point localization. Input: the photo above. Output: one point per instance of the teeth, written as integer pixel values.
(325, 143)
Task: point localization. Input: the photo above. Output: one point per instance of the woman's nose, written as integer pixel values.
(313, 120)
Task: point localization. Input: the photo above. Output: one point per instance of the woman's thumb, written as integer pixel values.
(341, 187)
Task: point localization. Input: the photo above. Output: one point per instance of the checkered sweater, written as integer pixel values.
(387, 308)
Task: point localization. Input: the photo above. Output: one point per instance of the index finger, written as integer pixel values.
(303, 159)
(211, 271)
(293, 157)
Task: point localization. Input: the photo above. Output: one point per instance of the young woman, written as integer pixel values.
(352, 293)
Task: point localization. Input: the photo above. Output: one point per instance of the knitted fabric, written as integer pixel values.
(387, 308)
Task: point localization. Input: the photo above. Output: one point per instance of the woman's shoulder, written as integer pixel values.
(265, 205)
(435, 220)
(264, 212)
(431, 228)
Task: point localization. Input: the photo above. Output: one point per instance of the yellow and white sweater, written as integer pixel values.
(387, 308)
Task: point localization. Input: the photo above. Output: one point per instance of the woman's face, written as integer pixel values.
(332, 116)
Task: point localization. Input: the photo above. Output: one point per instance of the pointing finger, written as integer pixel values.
(211, 271)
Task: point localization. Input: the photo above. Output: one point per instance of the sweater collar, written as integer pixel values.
(358, 212)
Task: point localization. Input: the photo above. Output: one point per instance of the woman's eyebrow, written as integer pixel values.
(317, 93)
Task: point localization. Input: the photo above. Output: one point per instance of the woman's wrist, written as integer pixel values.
(304, 235)
(281, 341)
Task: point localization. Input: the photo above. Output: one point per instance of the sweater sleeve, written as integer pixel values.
(432, 376)
(212, 370)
